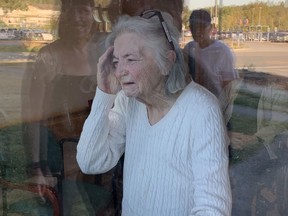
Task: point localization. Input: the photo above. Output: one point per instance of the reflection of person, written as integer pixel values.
(134, 8)
(272, 131)
(211, 62)
(176, 160)
(272, 114)
(61, 84)
(63, 77)
(265, 165)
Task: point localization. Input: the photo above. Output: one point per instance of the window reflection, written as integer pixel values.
(54, 96)
(46, 95)
(259, 146)
(48, 84)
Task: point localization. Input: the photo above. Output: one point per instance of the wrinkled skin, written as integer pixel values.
(130, 66)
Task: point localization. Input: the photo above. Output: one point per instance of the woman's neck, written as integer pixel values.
(76, 43)
(75, 59)
(159, 105)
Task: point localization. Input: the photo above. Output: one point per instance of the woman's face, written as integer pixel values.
(78, 21)
(135, 67)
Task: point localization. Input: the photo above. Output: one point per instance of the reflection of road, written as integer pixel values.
(11, 78)
(258, 56)
(263, 57)
(9, 57)
(13, 57)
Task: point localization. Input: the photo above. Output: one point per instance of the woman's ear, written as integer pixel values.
(171, 56)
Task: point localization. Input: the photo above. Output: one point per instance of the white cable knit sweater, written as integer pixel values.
(179, 166)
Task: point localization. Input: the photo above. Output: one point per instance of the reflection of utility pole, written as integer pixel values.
(216, 13)
(220, 17)
(253, 11)
(259, 24)
(211, 9)
(259, 20)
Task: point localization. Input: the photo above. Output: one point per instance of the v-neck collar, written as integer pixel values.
(173, 111)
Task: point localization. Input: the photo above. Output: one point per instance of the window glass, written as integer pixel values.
(49, 52)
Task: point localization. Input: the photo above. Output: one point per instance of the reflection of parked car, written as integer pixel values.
(7, 34)
(280, 37)
(39, 35)
(47, 36)
(187, 34)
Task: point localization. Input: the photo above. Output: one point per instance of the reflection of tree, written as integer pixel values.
(185, 16)
(53, 25)
(14, 4)
(103, 3)
(270, 15)
(237, 17)
(23, 4)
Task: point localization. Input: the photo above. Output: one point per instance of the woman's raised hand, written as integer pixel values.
(106, 79)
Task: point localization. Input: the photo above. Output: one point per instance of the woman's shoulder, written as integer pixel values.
(51, 47)
(49, 52)
(47, 60)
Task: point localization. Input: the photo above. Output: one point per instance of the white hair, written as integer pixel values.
(153, 34)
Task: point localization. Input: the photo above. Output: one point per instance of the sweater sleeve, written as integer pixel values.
(102, 140)
(211, 192)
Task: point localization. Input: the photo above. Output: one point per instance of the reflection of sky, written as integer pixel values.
(207, 3)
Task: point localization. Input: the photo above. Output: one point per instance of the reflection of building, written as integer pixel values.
(33, 17)
(102, 18)
(36, 17)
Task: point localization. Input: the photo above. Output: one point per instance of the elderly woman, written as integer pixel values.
(172, 132)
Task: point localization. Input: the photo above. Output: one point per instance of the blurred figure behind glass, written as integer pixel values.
(211, 62)
(59, 89)
(132, 8)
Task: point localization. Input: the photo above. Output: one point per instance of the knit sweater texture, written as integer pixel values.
(178, 166)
